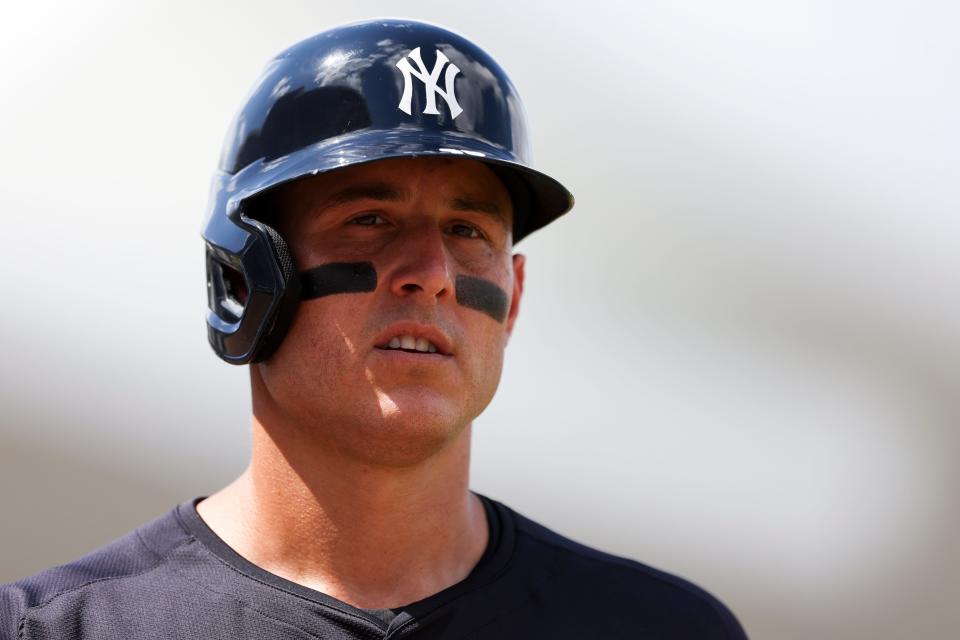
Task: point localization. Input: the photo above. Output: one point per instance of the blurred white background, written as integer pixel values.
(738, 358)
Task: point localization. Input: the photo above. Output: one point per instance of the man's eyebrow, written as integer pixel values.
(369, 191)
(389, 193)
(481, 206)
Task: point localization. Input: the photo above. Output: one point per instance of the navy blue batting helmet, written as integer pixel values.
(357, 93)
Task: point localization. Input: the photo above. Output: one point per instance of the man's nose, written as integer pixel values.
(423, 264)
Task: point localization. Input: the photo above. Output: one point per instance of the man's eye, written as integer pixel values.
(465, 231)
(366, 220)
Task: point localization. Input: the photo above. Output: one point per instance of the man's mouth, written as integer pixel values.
(413, 337)
(409, 343)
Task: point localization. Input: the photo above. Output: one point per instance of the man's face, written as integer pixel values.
(431, 229)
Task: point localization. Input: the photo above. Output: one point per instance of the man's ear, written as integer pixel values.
(518, 261)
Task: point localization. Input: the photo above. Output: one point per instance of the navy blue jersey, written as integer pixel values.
(174, 578)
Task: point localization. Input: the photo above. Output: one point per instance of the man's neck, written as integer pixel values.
(371, 536)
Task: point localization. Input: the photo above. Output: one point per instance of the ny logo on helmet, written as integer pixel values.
(429, 81)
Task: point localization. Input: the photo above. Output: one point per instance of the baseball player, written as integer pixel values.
(360, 260)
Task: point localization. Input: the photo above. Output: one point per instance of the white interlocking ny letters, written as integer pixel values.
(429, 81)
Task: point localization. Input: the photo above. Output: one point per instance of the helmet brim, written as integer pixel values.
(547, 198)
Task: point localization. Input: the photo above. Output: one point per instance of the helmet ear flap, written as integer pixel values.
(282, 253)
(227, 289)
(289, 299)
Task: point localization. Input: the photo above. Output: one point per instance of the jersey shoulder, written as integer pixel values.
(71, 585)
(620, 588)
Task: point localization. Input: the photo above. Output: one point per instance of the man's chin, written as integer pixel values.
(408, 432)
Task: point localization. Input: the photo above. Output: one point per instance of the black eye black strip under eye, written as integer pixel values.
(337, 277)
(359, 277)
(482, 295)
